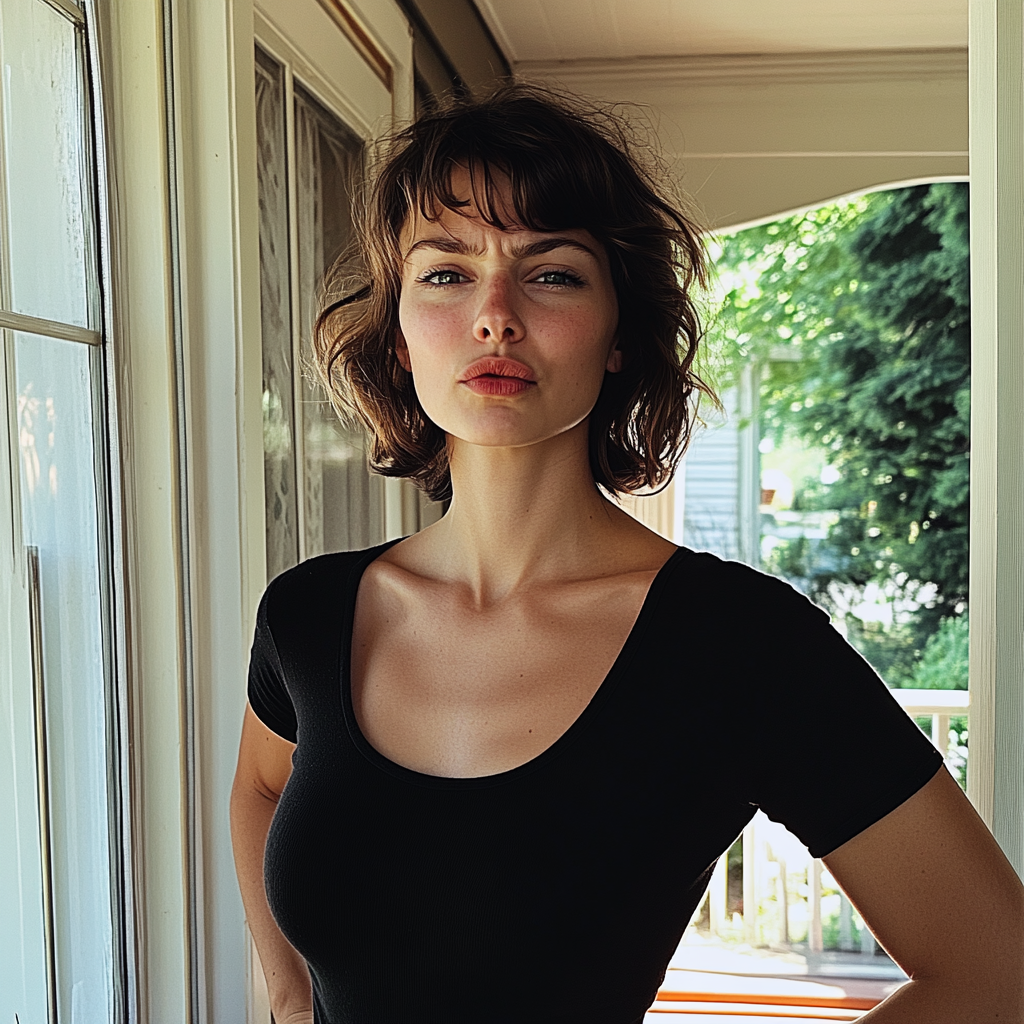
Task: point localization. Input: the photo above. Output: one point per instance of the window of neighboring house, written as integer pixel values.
(61, 944)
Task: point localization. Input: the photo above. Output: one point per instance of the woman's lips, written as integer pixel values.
(498, 375)
(487, 384)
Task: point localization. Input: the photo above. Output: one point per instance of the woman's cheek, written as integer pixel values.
(429, 330)
(428, 334)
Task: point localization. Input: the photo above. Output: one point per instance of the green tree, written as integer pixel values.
(943, 664)
(872, 297)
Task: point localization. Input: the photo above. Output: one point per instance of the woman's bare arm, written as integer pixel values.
(264, 765)
(937, 891)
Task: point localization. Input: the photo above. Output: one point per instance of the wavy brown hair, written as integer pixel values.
(568, 165)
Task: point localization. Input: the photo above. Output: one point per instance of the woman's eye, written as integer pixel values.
(559, 277)
(440, 278)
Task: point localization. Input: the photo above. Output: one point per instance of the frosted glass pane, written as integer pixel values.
(49, 263)
(279, 482)
(344, 502)
(56, 446)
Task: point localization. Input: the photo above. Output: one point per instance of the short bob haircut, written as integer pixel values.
(568, 165)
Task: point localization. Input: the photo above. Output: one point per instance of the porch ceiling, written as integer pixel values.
(530, 30)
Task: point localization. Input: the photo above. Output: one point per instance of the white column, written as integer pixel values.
(678, 486)
(393, 508)
(717, 895)
(940, 733)
(783, 903)
(815, 941)
(995, 776)
(750, 874)
(845, 923)
(749, 466)
(867, 940)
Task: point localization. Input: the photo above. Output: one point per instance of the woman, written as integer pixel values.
(526, 734)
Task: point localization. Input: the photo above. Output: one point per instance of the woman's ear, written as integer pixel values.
(402, 352)
(614, 364)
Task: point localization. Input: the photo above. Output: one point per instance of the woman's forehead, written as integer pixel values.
(479, 212)
(485, 194)
(466, 232)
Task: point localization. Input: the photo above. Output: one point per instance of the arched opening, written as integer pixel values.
(840, 339)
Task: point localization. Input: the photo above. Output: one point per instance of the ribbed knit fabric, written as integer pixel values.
(558, 891)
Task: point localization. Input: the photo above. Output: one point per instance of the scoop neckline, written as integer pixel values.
(577, 727)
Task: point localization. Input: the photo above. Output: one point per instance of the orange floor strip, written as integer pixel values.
(760, 1015)
(761, 1012)
(825, 1002)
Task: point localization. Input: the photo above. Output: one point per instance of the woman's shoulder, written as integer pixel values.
(318, 582)
(724, 599)
(716, 578)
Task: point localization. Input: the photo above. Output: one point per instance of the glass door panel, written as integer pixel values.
(61, 527)
(61, 524)
(46, 149)
(279, 473)
(62, 956)
(319, 493)
(344, 503)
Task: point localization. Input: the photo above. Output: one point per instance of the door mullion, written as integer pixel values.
(298, 418)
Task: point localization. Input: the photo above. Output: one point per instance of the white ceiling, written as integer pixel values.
(530, 30)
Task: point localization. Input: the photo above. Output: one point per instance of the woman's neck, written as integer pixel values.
(529, 515)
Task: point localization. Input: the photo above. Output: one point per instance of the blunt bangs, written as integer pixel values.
(564, 165)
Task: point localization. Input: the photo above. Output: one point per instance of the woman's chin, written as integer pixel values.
(519, 435)
(507, 425)
(496, 426)
(496, 438)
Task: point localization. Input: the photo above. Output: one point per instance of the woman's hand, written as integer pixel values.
(299, 1017)
(933, 885)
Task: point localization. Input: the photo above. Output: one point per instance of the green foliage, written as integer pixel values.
(893, 651)
(859, 312)
(943, 665)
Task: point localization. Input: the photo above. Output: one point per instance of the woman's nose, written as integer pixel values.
(497, 319)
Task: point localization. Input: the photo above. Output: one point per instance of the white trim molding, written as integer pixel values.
(758, 69)
(147, 524)
(995, 777)
(812, 154)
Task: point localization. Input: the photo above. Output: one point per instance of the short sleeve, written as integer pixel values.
(829, 750)
(268, 695)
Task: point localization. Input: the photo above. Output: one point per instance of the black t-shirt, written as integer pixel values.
(558, 891)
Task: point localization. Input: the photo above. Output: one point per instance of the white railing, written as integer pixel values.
(941, 705)
(770, 855)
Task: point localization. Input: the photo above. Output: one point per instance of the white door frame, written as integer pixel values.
(218, 252)
(996, 772)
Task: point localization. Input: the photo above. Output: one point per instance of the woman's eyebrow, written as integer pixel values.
(452, 245)
(546, 245)
(519, 251)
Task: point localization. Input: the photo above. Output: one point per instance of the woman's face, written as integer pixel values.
(508, 334)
